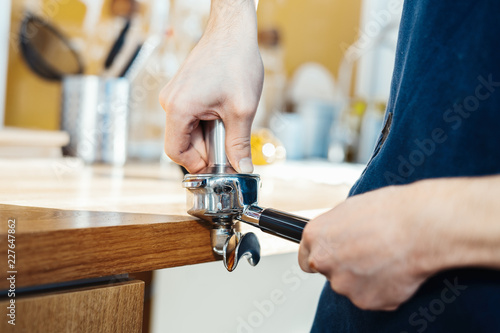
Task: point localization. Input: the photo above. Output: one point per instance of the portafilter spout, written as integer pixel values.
(220, 195)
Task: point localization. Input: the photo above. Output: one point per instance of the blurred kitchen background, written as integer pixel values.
(86, 74)
(328, 65)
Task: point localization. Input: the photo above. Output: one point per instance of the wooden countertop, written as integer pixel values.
(75, 221)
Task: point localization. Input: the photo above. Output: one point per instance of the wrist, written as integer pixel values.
(428, 224)
(233, 18)
(234, 3)
(457, 225)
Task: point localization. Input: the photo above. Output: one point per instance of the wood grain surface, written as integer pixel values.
(108, 309)
(55, 245)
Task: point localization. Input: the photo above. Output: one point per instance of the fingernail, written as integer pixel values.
(245, 165)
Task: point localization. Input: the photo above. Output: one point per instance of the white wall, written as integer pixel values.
(375, 52)
(377, 47)
(4, 52)
(275, 296)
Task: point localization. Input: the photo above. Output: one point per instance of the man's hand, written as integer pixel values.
(367, 248)
(377, 248)
(221, 79)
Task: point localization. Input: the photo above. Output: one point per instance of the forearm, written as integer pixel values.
(460, 218)
(221, 78)
(226, 16)
(234, 3)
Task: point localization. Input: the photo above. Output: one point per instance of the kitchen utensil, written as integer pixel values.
(47, 51)
(95, 114)
(222, 196)
(126, 44)
(131, 61)
(117, 45)
(140, 57)
(124, 49)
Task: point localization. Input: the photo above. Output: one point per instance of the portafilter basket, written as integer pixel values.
(222, 196)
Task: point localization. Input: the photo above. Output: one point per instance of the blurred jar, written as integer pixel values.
(318, 119)
(266, 149)
(95, 113)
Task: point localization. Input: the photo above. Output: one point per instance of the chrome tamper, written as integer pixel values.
(222, 196)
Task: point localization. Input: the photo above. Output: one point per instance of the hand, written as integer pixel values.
(221, 79)
(369, 248)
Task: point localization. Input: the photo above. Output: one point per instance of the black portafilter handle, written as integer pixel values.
(283, 224)
(275, 222)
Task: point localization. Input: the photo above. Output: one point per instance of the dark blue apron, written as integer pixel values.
(442, 120)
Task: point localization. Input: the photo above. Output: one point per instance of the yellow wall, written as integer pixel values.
(312, 30)
(31, 101)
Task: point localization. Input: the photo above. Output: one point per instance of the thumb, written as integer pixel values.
(238, 148)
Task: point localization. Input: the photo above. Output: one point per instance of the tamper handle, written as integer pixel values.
(215, 143)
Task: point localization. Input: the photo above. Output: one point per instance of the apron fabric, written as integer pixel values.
(442, 120)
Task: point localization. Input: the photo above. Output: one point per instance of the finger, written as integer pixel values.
(305, 262)
(303, 257)
(369, 303)
(184, 145)
(390, 308)
(198, 143)
(238, 150)
(343, 284)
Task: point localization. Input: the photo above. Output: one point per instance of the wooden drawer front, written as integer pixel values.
(107, 308)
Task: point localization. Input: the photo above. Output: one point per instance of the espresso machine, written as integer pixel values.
(223, 197)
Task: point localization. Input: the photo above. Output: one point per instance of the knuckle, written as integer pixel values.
(309, 234)
(171, 102)
(338, 288)
(173, 154)
(312, 263)
(164, 97)
(304, 265)
(365, 300)
(246, 114)
(243, 108)
(392, 307)
(172, 150)
(240, 143)
(341, 284)
(362, 303)
(171, 105)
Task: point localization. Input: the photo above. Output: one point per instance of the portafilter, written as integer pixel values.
(222, 196)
